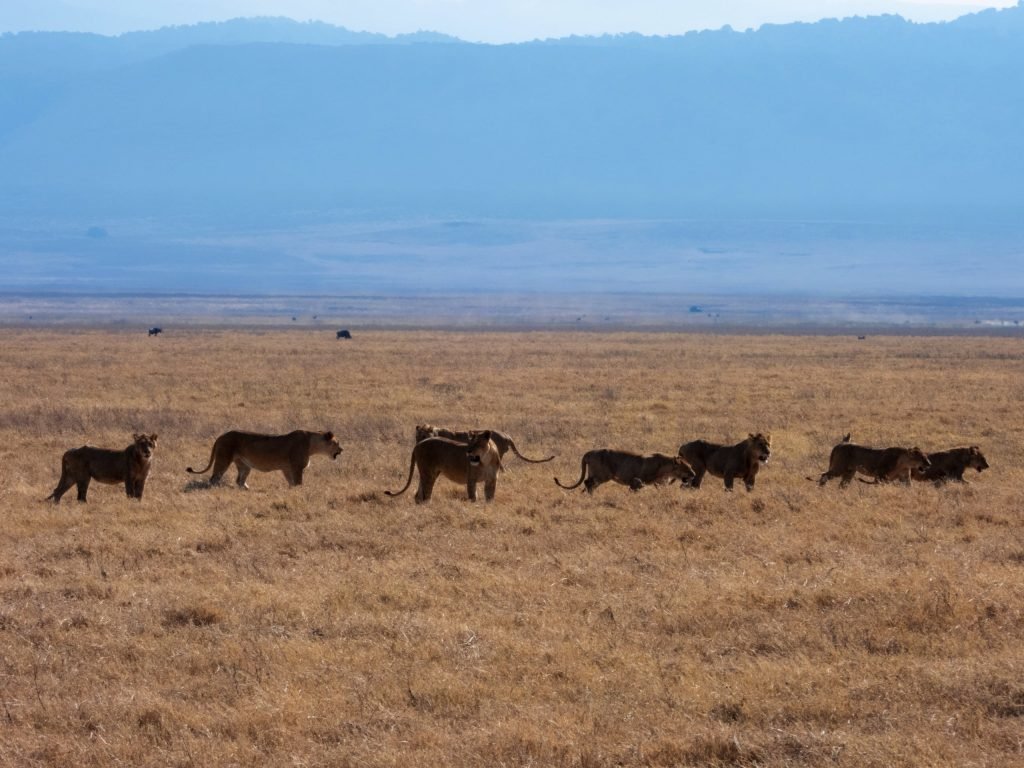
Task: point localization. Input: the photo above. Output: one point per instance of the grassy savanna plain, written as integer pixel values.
(329, 625)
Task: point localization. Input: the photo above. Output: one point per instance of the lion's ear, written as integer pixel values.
(153, 437)
(136, 437)
(752, 436)
(329, 435)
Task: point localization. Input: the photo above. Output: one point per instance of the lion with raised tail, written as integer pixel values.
(464, 463)
(250, 450)
(131, 466)
(501, 440)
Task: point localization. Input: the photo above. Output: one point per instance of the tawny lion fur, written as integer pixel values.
(627, 468)
(249, 450)
(466, 463)
(130, 466)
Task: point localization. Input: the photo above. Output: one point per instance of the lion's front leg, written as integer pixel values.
(133, 486)
(426, 488)
(293, 475)
(490, 486)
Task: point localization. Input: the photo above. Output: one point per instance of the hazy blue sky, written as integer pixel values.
(482, 20)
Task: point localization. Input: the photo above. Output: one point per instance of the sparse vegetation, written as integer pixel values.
(328, 625)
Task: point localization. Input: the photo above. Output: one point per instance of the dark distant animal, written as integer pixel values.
(467, 463)
(154, 331)
(885, 465)
(950, 465)
(130, 466)
(343, 335)
(742, 460)
(503, 441)
(249, 450)
(627, 468)
(861, 338)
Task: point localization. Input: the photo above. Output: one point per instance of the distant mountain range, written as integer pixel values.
(274, 123)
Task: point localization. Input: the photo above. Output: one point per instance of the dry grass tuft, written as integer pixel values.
(197, 616)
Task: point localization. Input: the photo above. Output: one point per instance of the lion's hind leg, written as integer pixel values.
(63, 485)
(426, 488)
(221, 461)
(293, 475)
(243, 474)
(83, 487)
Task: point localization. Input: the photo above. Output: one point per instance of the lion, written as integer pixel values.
(728, 461)
(885, 465)
(249, 450)
(627, 468)
(501, 440)
(467, 463)
(950, 465)
(130, 466)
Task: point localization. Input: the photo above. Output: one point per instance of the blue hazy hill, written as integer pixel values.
(862, 115)
(273, 123)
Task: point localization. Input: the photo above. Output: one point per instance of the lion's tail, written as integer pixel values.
(412, 466)
(213, 452)
(583, 475)
(515, 450)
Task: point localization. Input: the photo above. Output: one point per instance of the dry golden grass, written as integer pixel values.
(328, 625)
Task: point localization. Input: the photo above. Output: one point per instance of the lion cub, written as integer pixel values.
(130, 466)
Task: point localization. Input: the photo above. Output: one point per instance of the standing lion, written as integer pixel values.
(466, 463)
(742, 460)
(131, 466)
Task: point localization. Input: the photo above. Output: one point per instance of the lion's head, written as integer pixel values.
(145, 445)
(917, 459)
(976, 459)
(326, 443)
(478, 447)
(761, 446)
(423, 431)
(679, 470)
